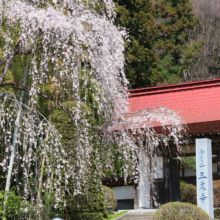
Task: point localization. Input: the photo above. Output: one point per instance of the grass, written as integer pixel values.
(113, 216)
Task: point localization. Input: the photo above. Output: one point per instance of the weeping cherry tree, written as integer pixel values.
(75, 46)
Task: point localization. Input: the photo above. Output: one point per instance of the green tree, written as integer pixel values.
(189, 162)
(89, 204)
(138, 16)
(176, 29)
(158, 51)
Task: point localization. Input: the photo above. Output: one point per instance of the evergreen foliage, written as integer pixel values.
(110, 198)
(188, 193)
(138, 16)
(189, 162)
(89, 204)
(159, 51)
(175, 55)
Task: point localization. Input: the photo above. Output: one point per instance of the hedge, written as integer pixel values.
(110, 198)
(188, 193)
(180, 210)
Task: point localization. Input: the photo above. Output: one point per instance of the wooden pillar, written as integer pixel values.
(174, 180)
(136, 184)
(218, 164)
(218, 167)
(136, 196)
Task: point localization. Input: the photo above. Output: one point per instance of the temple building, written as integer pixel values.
(198, 104)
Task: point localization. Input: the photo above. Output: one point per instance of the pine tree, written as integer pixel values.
(138, 16)
(176, 26)
(159, 51)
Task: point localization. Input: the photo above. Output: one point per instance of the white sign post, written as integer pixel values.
(204, 177)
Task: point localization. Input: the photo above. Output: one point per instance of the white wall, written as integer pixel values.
(190, 172)
(124, 192)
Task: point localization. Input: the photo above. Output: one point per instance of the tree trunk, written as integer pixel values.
(42, 163)
(17, 122)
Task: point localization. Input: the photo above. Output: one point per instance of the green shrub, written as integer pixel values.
(110, 198)
(188, 193)
(86, 207)
(82, 207)
(89, 205)
(216, 196)
(180, 210)
(216, 193)
(189, 162)
(10, 207)
(217, 213)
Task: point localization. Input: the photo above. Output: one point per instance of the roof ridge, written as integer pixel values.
(174, 87)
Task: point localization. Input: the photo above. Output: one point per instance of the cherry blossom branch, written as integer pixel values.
(9, 57)
(66, 110)
(99, 130)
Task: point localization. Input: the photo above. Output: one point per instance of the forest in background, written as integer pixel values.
(170, 41)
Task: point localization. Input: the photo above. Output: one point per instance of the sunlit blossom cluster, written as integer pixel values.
(35, 138)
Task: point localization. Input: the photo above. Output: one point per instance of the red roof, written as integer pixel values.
(198, 103)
